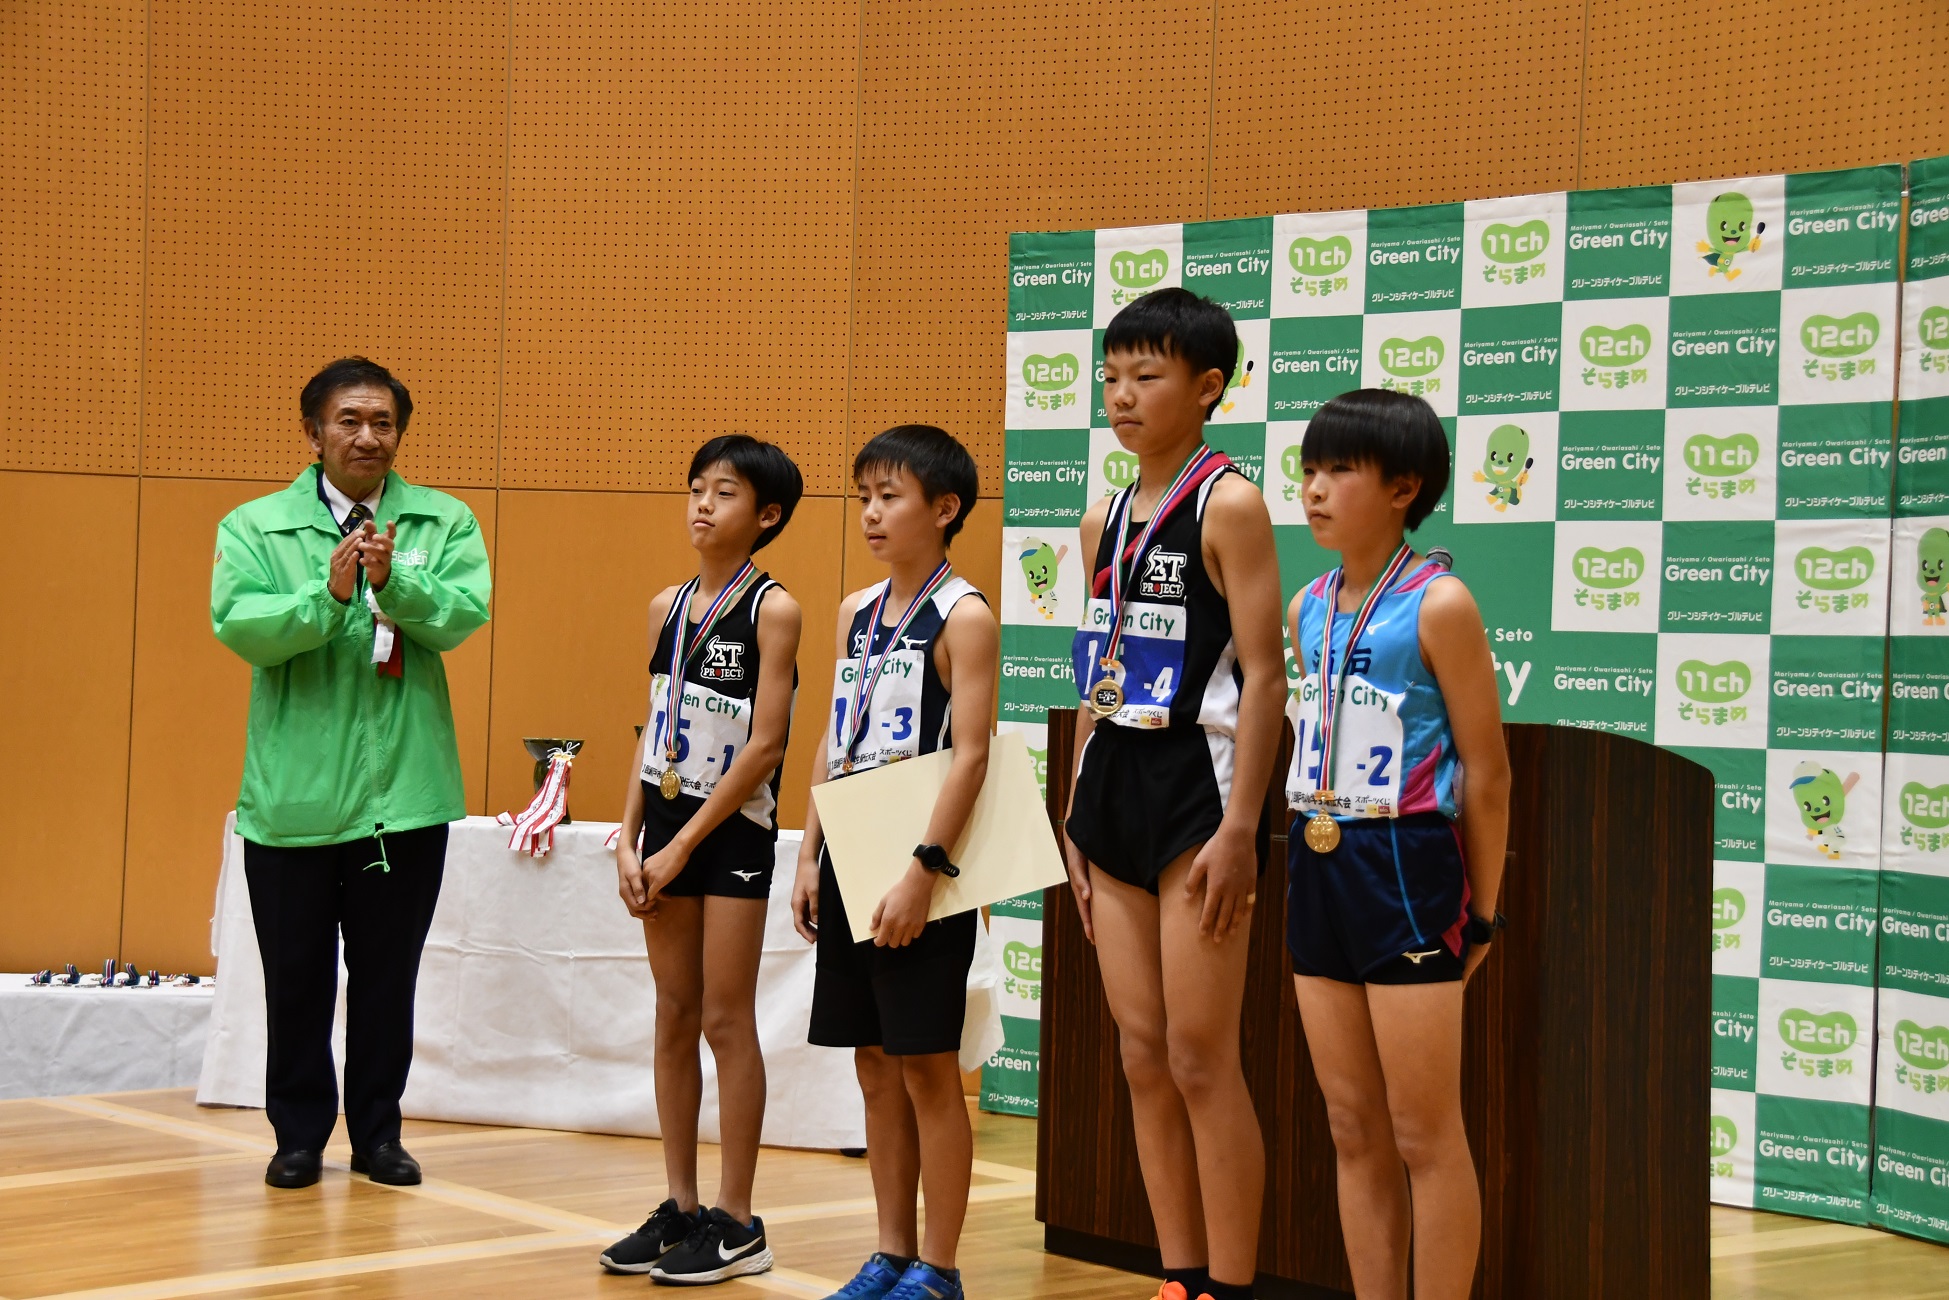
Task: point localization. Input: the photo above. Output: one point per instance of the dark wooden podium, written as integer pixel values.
(1585, 1078)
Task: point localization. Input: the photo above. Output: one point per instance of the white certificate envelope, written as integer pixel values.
(874, 820)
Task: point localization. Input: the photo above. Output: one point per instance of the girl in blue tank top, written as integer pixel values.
(1400, 793)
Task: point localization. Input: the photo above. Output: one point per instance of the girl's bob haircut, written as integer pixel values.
(1399, 435)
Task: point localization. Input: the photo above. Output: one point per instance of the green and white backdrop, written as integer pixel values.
(1679, 502)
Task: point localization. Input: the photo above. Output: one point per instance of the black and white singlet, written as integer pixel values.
(911, 712)
(1180, 668)
(720, 688)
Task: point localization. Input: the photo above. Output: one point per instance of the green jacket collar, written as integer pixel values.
(299, 506)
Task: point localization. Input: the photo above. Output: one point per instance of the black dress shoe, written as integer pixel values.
(388, 1163)
(294, 1169)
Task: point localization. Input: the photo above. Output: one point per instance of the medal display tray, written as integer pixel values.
(1586, 1057)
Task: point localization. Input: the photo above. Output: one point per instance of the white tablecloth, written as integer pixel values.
(59, 1040)
(536, 1007)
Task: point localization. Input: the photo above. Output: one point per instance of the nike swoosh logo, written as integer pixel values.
(744, 875)
(728, 1255)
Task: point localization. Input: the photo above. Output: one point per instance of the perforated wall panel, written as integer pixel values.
(71, 140)
(1369, 103)
(680, 229)
(326, 178)
(1683, 91)
(977, 120)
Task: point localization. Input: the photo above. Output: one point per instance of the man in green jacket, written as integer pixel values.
(351, 773)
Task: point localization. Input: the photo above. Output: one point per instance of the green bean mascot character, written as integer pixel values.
(1730, 231)
(1506, 467)
(1932, 575)
(1821, 798)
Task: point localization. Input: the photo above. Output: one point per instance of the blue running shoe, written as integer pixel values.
(876, 1277)
(925, 1282)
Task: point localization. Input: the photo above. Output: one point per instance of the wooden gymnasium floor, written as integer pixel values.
(144, 1195)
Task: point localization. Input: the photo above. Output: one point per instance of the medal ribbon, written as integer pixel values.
(864, 683)
(680, 656)
(1330, 700)
(1198, 467)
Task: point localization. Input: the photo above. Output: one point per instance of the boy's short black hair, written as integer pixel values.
(934, 456)
(1397, 434)
(352, 372)
(774, 479)
(1178, 323)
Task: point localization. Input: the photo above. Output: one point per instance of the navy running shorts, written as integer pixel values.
(1386, 906)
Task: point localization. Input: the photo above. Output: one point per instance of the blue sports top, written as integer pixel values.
(1396, 753)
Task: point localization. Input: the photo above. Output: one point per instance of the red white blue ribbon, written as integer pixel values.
(1198, 467)
(866, 680)
(680, 655)
(1330, 699)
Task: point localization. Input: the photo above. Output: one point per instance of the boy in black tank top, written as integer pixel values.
(694, 857)
(917, 660)
(1183, 679)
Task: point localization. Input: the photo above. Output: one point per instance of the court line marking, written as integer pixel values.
(155, 1123)
(128, 1169)
(1819, 1234)
(319, 1270)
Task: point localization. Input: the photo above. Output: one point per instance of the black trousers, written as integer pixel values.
(300, 901)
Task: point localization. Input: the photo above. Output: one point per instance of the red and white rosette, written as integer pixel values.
(534, 829)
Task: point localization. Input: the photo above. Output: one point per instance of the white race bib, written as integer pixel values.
(1366, 743)
(711, 731)
(892, 714)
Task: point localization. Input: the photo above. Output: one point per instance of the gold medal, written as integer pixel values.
(671, 784)
(1106, 696)
(845, 765)
(1322, 833)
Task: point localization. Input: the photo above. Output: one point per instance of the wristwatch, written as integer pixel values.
(1481, 933)
(934, 858)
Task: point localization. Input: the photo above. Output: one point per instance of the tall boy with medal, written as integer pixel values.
(1396, 859)
(1179, 667)
(917, 656)
(704, 802)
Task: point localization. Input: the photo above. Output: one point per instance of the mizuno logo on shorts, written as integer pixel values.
(744, 875)
(1418, 957)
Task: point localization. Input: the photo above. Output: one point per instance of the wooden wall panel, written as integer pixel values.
(680, 228)
(980, 120)
(1371, 103)
(72, 80)
(470, 669)
(327, 178)
(186, 744)
(578, 571)
(806, 559)
(1682, 91)
(64, 760)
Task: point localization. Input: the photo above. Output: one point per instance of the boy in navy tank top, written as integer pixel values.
(1396, 859)
(1181, 672)
(694, 857)
(917, 656)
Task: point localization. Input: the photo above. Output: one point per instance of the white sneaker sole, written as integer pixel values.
(741, 1267)
(631, 1270)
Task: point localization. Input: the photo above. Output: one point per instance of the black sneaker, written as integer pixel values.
(718, 1249)
(661, 1233)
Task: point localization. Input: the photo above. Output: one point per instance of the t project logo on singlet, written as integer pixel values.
(1163, 576)
(723, 661)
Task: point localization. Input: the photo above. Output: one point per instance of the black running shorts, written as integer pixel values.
(906, 1001)
(1144, 797)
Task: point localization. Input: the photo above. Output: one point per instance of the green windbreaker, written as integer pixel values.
(334, 751)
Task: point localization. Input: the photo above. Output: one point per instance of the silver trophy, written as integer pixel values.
(543, 752)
